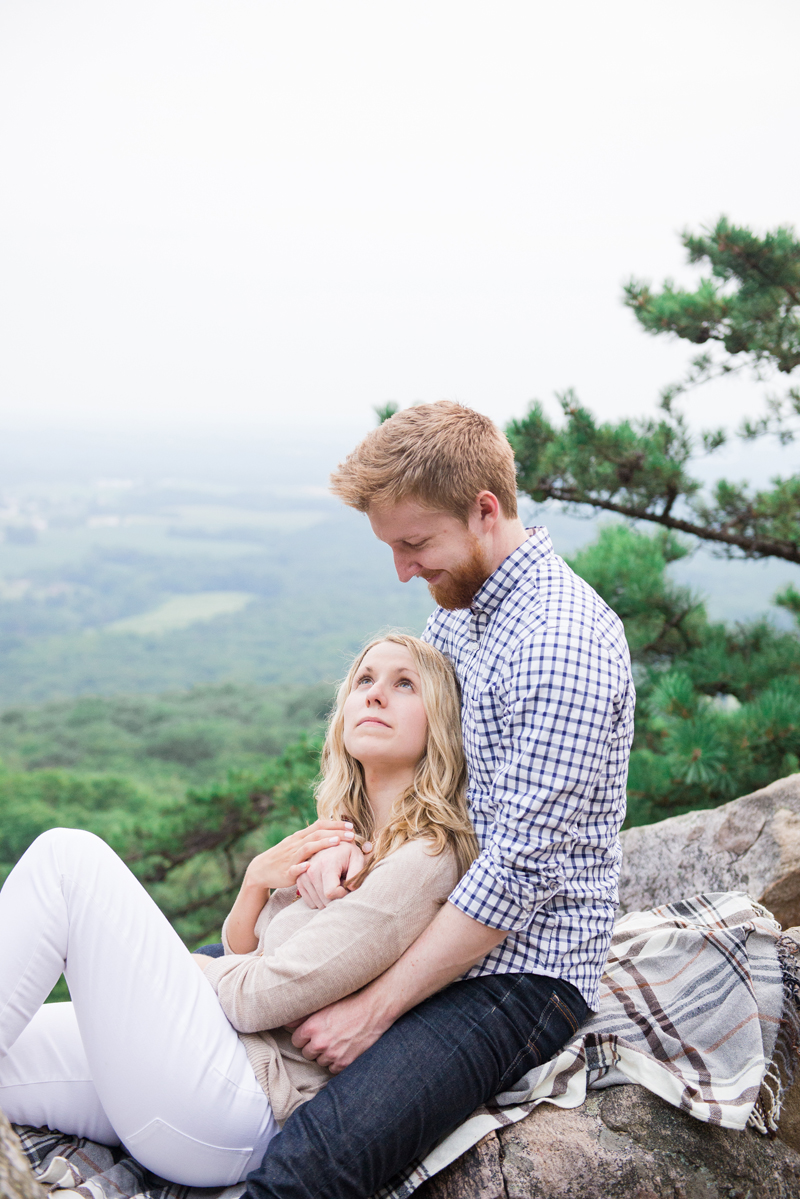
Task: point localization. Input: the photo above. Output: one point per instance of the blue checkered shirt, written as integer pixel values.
(547, 714)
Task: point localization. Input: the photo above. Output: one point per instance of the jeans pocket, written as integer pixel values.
(180, 1158)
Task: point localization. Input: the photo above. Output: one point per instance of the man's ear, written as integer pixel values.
(486, 510)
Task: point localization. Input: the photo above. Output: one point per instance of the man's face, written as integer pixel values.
(435, 546)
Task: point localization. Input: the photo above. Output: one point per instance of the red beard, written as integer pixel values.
(460, 585)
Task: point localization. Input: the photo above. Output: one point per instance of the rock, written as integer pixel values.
(476, 1175)
(622, 1143)
(750, 844)
(789, 1123)
(16, 1178)
(625, 1143)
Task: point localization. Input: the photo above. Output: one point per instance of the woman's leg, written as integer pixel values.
(170, 1073)
(45, 1078)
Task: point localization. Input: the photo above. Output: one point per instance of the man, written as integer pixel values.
(510, 967)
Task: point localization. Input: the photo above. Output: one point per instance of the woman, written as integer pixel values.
(195, 1079)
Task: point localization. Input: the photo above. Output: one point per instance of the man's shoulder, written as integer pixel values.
(550, 606)
(553, 602)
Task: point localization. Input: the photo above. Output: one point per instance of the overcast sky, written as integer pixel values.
(245, 211)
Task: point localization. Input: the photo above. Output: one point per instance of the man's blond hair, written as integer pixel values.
(442, 455)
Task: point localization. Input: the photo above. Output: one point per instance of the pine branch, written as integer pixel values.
(638, 469)
(176, 846)
(752, 546)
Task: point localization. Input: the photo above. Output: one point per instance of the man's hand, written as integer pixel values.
(322, 879)
(336, 1035)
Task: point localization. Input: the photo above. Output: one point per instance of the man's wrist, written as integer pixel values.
(385, 1003)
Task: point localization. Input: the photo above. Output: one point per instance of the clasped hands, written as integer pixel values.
(326, 845)
(318, 860)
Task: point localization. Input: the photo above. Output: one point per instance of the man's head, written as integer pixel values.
(439, 486)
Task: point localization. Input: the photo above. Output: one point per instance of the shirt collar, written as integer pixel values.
(512, 570)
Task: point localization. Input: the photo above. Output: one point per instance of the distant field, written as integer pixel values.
(139, 589)
(182, 611)
(172, 531)
(124, 587)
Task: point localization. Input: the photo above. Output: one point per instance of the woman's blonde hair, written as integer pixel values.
(435, 805)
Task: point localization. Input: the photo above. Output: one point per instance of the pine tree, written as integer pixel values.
(748, 310)
(718, 707)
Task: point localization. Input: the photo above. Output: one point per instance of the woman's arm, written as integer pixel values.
(339, 950)
(279, 866)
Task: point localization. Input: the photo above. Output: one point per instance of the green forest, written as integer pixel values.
(168, 657)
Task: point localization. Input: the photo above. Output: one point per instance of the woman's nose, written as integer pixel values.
(376, 695)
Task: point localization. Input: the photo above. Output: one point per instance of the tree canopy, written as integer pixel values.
(718, 707)
(748, 309)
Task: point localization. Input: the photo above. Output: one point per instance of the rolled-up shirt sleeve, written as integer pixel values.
(551, 718)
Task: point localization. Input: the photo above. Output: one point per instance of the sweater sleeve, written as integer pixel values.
(276, 903)
(344, 947)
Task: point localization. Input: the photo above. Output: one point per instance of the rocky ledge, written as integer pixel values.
(16, 1179)
(751, 844)
(622, 1143)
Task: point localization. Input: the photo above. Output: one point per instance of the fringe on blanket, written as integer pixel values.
(780, 1072)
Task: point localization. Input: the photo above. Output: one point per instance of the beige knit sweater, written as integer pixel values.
(307, 958)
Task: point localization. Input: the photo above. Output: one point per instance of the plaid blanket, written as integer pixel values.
(698, 1002)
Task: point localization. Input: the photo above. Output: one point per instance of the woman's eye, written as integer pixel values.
(365, 678)
(406, 683)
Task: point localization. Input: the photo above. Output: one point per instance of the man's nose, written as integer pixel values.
(405, 566)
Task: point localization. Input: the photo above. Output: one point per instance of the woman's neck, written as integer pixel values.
(383, 787)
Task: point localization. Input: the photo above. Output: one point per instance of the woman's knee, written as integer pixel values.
(67, 845)
(69, 853)
(74, 837)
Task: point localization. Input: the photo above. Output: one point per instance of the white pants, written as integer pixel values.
(144, 1054)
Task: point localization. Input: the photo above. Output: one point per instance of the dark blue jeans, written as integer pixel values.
(416, 1084)
(212, 951)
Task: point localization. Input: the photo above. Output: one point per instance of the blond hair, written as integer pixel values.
(434, 807)
(442, 455)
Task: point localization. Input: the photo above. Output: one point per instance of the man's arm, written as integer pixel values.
(344, 948)
(338, 1034)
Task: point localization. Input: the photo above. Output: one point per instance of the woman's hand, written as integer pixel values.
(281, 865)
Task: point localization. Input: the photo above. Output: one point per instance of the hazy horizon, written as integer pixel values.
(257, 212)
